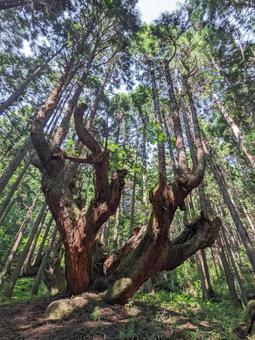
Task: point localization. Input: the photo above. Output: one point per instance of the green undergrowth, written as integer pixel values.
(200, 319)
(22, 291)
(160, 315)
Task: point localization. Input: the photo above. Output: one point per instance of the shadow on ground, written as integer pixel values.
(136, 320)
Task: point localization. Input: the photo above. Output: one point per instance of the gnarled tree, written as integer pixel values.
(148, 251)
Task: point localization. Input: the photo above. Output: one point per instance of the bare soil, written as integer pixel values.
(133, 321)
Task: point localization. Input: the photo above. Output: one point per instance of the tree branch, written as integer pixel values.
(197, 235)
(85, 137)
(58, 153)
(114, 259)
(117, 185)
(40, 143)
(101, 183)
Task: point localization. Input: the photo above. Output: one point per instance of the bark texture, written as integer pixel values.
(149, 250)
(78, 227)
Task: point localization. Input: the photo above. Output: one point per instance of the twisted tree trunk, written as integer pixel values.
(149, 250)
(57, 188)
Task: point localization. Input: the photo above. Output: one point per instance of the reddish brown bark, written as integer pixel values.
(149, 250)
(143, 256)
(78, 227)
(155, 252)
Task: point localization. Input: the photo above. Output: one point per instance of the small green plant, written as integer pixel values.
(129, 332)
(96, 314)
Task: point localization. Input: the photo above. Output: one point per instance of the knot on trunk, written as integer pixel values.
(118, 181)
(81, 108)
(122, 173)
(162, 197)
(182, 178)
(163, 200)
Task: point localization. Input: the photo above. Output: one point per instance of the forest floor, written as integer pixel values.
(161, 315)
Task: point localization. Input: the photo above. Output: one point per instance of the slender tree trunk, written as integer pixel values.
(250, 111)
(228, 273)
(54, 119)
(49, 107)
(182, 163)
(144, 160)
(27, 263)
(99, 94)
(215, 262)
(247, 215)
(160, 143)
(53, 275)
(170, 146)
(44, 263)
(133, 198)
(206, 285)
(116, 227)
(31, 77)
(38, 256)
(237, 132)
(7, 210)
(233, 211)
(235, 267)
(13, 188)
(17, 241)
(207, 289)
(62, 130)
(205, 278)
(15, 275)
(15, 162)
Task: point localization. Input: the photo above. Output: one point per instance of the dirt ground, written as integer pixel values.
(133, 321)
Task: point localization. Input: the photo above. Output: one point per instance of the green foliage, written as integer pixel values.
(22, 291)
(218, 318)
(206, 37)
(96, 313)
(145, 42)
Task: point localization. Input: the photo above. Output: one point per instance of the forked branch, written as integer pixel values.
(197, 235)
(85, 137)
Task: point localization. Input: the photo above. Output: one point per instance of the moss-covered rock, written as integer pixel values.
(63, 308)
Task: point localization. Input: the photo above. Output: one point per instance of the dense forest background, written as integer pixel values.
(87, 93)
